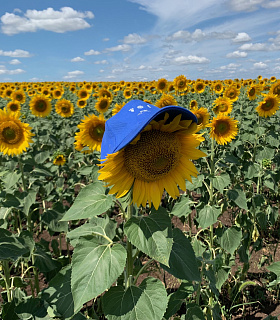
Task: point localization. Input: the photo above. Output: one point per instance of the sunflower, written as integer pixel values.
(253, 91)
(102, 104)
(79, 146)
(180, 83)
(7, 93)
(203, 117)
(218, 87)
(269, 105)
(104, 93)
(199, 86)
(166, 100)
(13, 106)
(193, 104)
(162, 85)
(83, 94)
(64, 108)
(18, 95)
(117, 108)
(275, 88)
(127, 93)
(40, 106)
(223, 128)
(15, 136)
(232, 92)
(91, 131)
(59, 159)
(81, 103)
(57, 93)
(222, 105)
(159, 158)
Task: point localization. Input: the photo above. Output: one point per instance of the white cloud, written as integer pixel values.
(242, 37)
(134, 38)
(92, 53)
(237, 54)
(182, 60)
(105, 39)
(272, 4)
(101, 62)
(3, 70)
(73, 74)
(230, 66)
(67, 19)
(254, 47)
(245, 5)
(199, 35)
(120, 47)
(15, 61)
(77, 59)
(260, 65)
(18, 53)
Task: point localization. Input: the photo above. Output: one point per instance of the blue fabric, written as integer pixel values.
(124, 126)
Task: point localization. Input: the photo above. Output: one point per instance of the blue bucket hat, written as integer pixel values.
(134, 116)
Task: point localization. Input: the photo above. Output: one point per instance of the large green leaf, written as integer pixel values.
(182, 208)
(231, 239)
(11, 247)
(237, 195)
(176, 299)
(90, 202)
(59, 295)
(96, 264)
(96, 226)
(146, 302)
(151, 234)
(208, 215)
(11, 179)
(182, 261)
(275, 268)
(221, 181)
(29, 199)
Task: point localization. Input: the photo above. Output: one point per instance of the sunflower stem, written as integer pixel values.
(129, 261)
(211, 193)
(22, 174)
(6, 269)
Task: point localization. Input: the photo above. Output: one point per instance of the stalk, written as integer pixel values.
(211, 193)
(129, 261)
(7, 276)
(22, 174)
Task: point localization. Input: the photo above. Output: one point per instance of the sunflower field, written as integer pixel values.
(182, 222)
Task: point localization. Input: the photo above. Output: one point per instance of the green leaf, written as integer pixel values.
(11, 247)
(96, 264)
(28, 201)
(196, 183)
(275, 268)
(182, 261)
(11, 201)
(208, 215)
(237, 195)
(96, 225)
(44, 261)
(146, 302)
(176, 299)
(42, 172)
(194, 312)
(182, 208)
(4, 212)
(222, 181)
(151, 234)
(42, 156)
(32, 308)
(59, 295)
(91, 201)
(11, 179)
(231, 239)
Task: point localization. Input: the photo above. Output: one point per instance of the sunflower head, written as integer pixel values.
(19, 96)
(180, 83)
(102, 105)
(13, 106)
(232, 93)
(166, 100)
(203, 116)
(269, 105)
(223, 129)
(222, 105)
(162, 85)
(59, 159)
(64, 108)
(155, 153)
(193, 104)
(81, 103)
(40, 106)
(15, 136)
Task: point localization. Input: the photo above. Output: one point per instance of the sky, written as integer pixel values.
(138, 40)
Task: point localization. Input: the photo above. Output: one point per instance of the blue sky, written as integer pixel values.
(138, 40)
